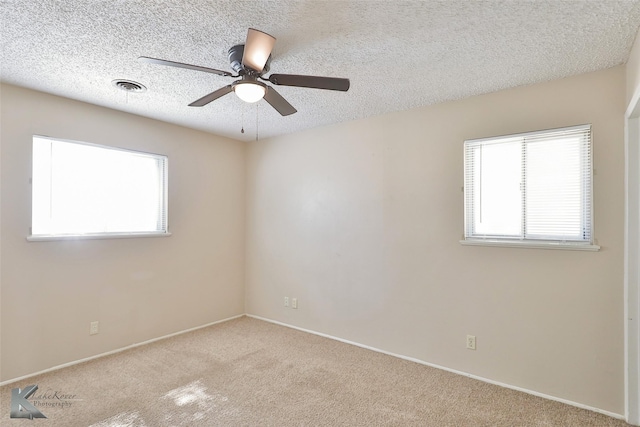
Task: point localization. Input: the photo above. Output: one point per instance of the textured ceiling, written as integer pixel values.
(397, 54)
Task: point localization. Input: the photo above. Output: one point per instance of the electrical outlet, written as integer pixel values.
(294, 302)
(471, 342)
(286, 301)
(93, 329)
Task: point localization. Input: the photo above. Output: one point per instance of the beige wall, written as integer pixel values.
(361, 222)
(633, 70)
(138, 289)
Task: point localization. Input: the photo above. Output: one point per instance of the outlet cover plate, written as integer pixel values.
(471, 342)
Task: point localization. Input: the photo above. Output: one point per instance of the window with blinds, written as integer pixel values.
(531, 187)
(81, 189)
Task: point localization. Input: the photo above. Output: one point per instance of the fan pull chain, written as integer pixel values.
(242, 129)
(256, 121)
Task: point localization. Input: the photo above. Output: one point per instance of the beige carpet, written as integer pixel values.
(247, 372)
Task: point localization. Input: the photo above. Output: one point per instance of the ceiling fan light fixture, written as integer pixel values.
(249, 91)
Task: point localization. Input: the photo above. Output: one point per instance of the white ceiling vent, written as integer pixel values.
(129, 85)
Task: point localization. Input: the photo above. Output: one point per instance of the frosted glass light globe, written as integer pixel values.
(249, 92)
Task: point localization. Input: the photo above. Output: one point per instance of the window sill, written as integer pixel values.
(532, 245)
(49, 238)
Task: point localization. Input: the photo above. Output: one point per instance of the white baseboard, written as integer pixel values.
(422, 362)
(108, 353)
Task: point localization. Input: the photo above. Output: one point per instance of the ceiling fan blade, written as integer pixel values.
(181, 65)
(257, 49)
(330, 83)
(278, 102)
(211, 97)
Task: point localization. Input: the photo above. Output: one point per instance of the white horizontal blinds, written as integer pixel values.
(493, 205)
(162, 188)
(557, 184)
(468, 189)
(87, 189)
(534, 186)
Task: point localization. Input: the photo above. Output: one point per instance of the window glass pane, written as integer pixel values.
(87, 189)
(496, 182)
(554, 189)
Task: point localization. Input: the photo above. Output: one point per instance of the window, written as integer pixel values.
(83, 189)
(531, 189)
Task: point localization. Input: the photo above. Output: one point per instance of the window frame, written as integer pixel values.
(164, 193)
(521, 241)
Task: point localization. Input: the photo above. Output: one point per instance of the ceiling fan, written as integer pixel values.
(251, 60)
